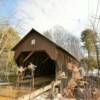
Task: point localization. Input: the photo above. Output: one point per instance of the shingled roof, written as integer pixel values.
(33, 30)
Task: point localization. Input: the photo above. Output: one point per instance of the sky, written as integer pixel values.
(42, 15)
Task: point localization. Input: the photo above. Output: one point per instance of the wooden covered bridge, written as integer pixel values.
(50, 59)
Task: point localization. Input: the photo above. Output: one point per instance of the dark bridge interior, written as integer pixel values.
(46, 67)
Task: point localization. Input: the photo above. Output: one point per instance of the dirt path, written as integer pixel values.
(10, 93)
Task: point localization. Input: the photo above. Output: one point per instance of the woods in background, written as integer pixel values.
(8, 38)
(91, 45)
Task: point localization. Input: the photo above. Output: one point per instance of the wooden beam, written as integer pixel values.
(24, 81)
(27, 57)
(45, 60)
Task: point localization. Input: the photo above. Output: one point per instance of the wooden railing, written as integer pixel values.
(38, 92)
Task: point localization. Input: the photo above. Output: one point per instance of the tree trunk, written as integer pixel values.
(89, 56)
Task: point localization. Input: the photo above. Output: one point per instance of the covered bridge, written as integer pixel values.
(49, 58)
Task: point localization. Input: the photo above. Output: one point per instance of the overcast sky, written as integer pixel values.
(73, 15)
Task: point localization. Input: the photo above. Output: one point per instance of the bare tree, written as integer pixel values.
(64, 39)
